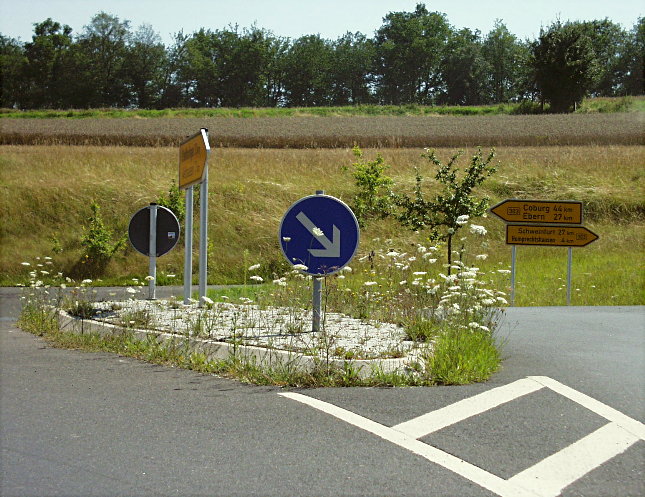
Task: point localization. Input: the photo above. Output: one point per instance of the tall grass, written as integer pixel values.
(46, 192)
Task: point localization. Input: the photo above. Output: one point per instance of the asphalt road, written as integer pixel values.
(86, 424)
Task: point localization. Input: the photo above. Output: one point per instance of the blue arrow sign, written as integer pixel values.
(320, 232)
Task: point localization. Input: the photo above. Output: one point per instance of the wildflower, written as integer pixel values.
(420, 273)
(504, 271)
(502, 300)
(370, 283)
(341, 276)
(170, 276)
(393, 253)
(412, 259)
(280, 282)
(25, 264)
(207, 300)
(48, 258)
(481, 257)
(318, 232)
(254, 267)
(403, 282)
(286, 239)
(86, 282)
(347, 269)
(63, 286)
(477, 230)
(488, 302)
(150, 278)
(421, 249)
(44, 272)
(300, 267)
(461, 220)
(257, 278)
(131, 290)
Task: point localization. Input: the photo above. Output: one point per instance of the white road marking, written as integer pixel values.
(551, 475)
(609, 413)
(454, 413)
(477, 475)
(544, 479)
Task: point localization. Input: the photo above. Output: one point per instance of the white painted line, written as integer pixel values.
(635, 427)
(499, 486)
(454, 413)
(551, 475)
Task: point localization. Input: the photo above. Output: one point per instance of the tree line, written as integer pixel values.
(413, 58)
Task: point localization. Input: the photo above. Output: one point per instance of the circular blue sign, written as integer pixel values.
(319, 232)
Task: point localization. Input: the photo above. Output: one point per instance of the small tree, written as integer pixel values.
(97, 243)
(453, 206)
(373, 197)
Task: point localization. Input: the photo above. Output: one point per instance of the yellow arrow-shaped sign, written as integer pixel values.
(193, 154)
(555, 236)
(539, 211)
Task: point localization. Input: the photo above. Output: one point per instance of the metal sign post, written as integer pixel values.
(203, 238)
(193, 170)
(188, 249)
(152, 265)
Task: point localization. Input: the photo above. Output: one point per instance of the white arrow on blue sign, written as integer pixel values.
(320, 232)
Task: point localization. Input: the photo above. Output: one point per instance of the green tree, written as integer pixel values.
(12, 61)
(463, 69)
(564, 65)
(45, 75)
(308, 72)
(503, 54)
(632, 63)
(101, 55)
(352, 70)
(450, 209)
(409, 50)
(144, 66)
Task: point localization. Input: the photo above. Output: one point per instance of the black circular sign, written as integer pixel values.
(167, 230)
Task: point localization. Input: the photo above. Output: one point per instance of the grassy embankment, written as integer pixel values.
(592, 105)
(47, 190)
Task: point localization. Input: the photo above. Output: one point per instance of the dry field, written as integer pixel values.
(336, 132)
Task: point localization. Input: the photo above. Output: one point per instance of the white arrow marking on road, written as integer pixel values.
(332, 248)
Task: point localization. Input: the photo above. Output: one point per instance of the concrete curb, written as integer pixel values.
(263, 356)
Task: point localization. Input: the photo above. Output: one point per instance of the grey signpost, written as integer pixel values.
(320, 234)
(193, 170)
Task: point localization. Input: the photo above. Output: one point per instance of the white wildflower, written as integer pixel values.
(420, 273)
(370, 283)
(347, 269)
(25, 264)
(300, 267)
(207, 300)
(481, 257)
(257, 278)
(170, 276)
(477, 230)
(86, 282)
(504, 271)
(254, 267)
(150, 278)
(461, 220)
(393, 253)
(131, 290)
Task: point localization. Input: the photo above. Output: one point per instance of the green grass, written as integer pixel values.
(618, 104)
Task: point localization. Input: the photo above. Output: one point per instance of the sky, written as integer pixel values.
(293, 18)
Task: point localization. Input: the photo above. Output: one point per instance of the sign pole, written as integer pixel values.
(513, 258)
(152, 266)
(569, 267)
(203, 238)
(317, 295)
(188, 250)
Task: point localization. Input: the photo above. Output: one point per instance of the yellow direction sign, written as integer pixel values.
(555, 236)
(539, 211)
(193, 154)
